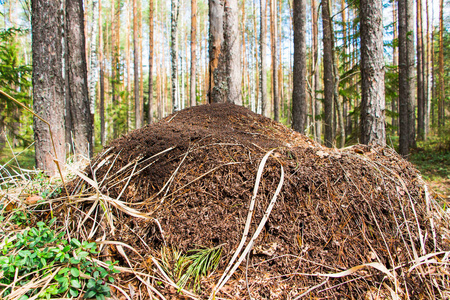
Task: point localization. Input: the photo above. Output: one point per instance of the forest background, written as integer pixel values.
(118, 48)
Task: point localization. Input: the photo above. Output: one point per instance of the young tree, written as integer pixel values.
(77, 103)
(441, 106)
(420, 75)
(299, 90)
(372, 73)
(137, 100)
(48, 83)
(101, 107)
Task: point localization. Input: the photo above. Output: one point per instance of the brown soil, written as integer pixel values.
(194, 172)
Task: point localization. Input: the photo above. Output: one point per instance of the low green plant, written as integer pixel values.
(35, 254)
(196, 264)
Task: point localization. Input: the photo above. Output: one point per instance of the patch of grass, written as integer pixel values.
(432, 160)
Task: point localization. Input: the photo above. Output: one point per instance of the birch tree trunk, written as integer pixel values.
(102, 76)
(137, 105)
(372, 73)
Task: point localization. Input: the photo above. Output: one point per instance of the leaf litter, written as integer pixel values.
(293, 219)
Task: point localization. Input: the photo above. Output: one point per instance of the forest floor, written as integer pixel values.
(217, 200)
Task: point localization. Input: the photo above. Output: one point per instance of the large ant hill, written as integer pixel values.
(291, 218)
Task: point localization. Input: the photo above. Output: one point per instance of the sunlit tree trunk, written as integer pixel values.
(395, 63)
(127, 63)
(427, 75)
(93, 69)
(372, 73)
(232, 52)
(48, 83)
(316, 79)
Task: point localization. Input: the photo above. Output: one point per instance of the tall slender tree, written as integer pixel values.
(273, 36)
(441, 106)
(263, 51)
(420, 74)
(328, 73)
(299, 106)
(48, 83)
(150, 62)
(232, 52)
(174, 12)
(137, 100)
(405, 60)
(76, 69)
(101, 106)
(372, 73)
(193, 88)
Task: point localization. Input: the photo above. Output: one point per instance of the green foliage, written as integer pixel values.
(15, 79)
(191, 267)
(41, 254)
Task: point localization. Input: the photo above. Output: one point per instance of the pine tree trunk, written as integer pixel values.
(316, 79)
(76, 70)
(174, 52)
(217, 80)
(263, 46)
(273, 35)
(233, 53)
(441, 112)
(394, 108)
(102, 77)
(193, 96)
(127, 64)
(420, 77)
(48, 84)
(328, 74)
(406, 59)
(299, 73)
(372, 73)
(150, 63)
(137, 105)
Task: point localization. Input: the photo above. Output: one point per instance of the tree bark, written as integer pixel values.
(372, 73)
(48, 84)
(420, 76)
(328, 74)
(273, 36)
(137, 105)
(76, 70)
(299, 106)
(406, 60)
(150, 63)
(316, 79)
(263, 46)
(193, 88)
(232, 52)
(441, 107)
(174, 52)
(101, 107)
